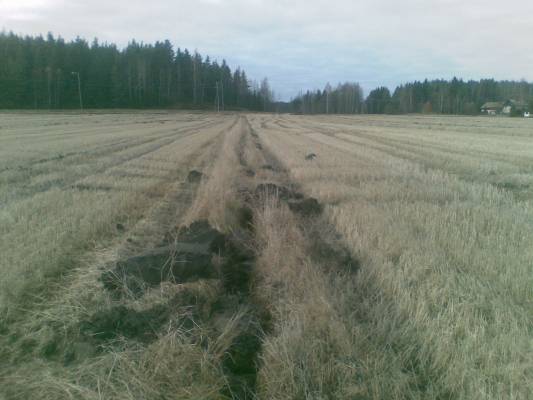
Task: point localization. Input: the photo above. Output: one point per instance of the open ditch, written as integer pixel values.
(184, 256)
(324, 242)
(189, 254)
(199, 254)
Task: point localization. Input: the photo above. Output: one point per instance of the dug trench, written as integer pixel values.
(324, 243)
(198, 256)
(188, 256)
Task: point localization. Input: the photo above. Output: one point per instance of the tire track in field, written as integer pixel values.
(265, 181)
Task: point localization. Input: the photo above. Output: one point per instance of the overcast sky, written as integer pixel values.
(301, 44)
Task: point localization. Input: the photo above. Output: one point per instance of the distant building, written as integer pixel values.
(492, 108)
(514, 107)
(508, 107)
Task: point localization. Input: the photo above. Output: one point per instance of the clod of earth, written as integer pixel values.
(121, 321)
(178, 263)
(202, 234)
(194, 176)
(310, 156)
(307, 207)
(188, 258)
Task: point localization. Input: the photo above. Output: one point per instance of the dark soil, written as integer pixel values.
(240, 364)
(306, 207)
(194, 176)
(156, 266)
(245, 217)
(333, 255)
(202, 233)
(122, 321)
(187, 257)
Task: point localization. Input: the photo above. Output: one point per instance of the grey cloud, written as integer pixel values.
(304, 44)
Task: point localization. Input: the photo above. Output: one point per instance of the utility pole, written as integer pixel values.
(217, 99)
(222, 93)
(79, 89)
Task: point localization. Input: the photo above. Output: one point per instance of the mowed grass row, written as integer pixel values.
(496, 151)
(175, 360)
(35, 158)
(441, 307)
(45, 232)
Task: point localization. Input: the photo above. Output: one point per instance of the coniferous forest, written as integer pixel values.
(42, 73)
(438, 96)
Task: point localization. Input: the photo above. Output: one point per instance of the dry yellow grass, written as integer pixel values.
(60, 239)
(437, 210)
(442, 305)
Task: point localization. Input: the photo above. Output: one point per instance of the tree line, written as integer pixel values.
(42, 73)
(346, 98)
(455, 96)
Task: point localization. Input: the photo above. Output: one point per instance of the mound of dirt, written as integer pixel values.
(202, 234)
(123, 321)
(158, 265)
(194, 176)
(187, 258)
(306, 207)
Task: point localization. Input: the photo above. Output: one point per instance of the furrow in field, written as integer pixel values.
(43, 234)
(444, 266)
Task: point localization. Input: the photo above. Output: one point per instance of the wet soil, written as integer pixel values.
(195, 176)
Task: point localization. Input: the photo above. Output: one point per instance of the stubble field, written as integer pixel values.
(157, 255)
